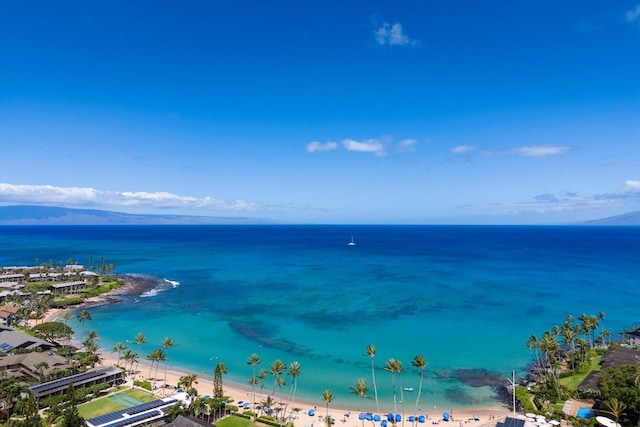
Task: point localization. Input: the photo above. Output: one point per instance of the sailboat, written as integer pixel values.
(352, 243)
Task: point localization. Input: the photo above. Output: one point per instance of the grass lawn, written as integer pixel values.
(115, 401)
(233, 421)
(594, 366)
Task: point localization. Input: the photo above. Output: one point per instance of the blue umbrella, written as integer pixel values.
(361, 416)
(398, 417)
(311, 412)
(384, 423)
(445, 416)
(390, 417)
(376, 417)
(421, 419)
(411, 418)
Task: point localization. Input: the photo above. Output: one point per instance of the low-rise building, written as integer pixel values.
(111, 375)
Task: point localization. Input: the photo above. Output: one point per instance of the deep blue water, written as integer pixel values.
(464, 296)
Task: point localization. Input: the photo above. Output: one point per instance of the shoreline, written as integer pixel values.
(240, 392)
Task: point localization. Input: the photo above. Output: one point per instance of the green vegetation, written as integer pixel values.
(565, 356)
(237, 421)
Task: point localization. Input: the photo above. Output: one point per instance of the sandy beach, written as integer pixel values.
(344, 416)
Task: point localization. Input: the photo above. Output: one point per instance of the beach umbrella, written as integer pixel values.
(445, 416)
(384, 423)
(411, 418)
(311, 412)
(369, 417)
(398, 417)
(421, 419)
(390, 417)
(606, 422)
(376, 417)
(361, 416)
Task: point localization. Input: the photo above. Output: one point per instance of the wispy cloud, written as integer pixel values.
(314, 146)
(529, 151)
(368, 146)
(406, 146)
(392, 35)
(633, 15)
(92, 198)
(541, 150)
(628, 197)
(459, 149)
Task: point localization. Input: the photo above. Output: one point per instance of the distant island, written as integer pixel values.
(56, 215)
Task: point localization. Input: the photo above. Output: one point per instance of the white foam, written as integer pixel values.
(174, 283)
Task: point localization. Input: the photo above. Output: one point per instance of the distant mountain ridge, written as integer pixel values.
(629, 218)
(55, 215)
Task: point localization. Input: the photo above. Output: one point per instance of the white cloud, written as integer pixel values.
(406, 146)
(99, 199)
(368, 146)
(459, 149)
(633, 15)
(632, 185)
(392, 35)
(541, 150)
(628, 198)
(318, 146)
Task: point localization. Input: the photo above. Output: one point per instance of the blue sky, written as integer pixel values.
(490, 112)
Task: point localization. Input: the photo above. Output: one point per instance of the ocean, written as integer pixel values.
(466, 297)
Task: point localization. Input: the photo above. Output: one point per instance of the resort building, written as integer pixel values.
(109, 375)
(35, 365)
(150, 413)
(613, 358)
(11, 339)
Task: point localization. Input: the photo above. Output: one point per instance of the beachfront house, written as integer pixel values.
(634, 338)
(7, 314)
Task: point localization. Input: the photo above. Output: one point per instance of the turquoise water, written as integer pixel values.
(585, 413)
(468, 298)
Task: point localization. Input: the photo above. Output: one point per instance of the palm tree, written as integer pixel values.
(41, 366)
(84, 315)
(218, 392)
(601, 316)
(615, 407)
(65, 317)
(167, 343)
(156, 356)
(421, 364)
(394, 366)
(119, 347)
(140, 339)
(254, 361)
(533, 344)
(187, 381)
(327, 397)
(360, 389)
(277, 368)
(568, 335)
(371, 352)
(262, 375)
(295, 371)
